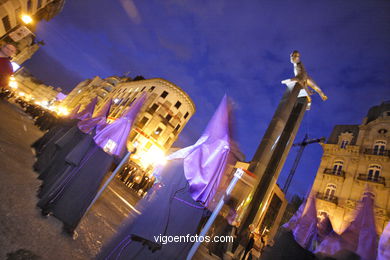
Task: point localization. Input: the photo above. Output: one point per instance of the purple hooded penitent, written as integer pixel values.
(99, 121)
(88, 110)
(359, 236)
(384, 244)
(205, 161)
(305, 231)
(113, 138)
(73, 114)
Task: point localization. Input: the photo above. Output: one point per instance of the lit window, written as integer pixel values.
(178, 104)
(164, 94)
(337, 167)
(330, 191)
(379, 147)
(158, 131)
(344, 144)
(374, 172)
(148, 145)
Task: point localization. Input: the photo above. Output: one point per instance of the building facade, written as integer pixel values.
(88, 89)
(14, 29)
(26, 86)
(166, 111)
(356, 158)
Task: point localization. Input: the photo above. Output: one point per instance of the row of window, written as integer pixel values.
(373, 169)
(378, 148)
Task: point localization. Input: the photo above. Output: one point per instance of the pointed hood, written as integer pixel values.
(205, 161)
(360, 236)
(113, 138)
(88, 110)
(305, 230)
(73, 114)
(99, 121)
(384, 244)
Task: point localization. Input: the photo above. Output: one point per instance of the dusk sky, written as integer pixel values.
(240, 48)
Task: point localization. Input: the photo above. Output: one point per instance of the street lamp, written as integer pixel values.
(26, 19)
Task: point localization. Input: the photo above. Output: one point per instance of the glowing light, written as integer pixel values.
(116, 101)
(62, 111)
(154, 156)
(22, 94)
(13, 84)
(26, 19)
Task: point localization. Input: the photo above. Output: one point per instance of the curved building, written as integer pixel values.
(164, 115)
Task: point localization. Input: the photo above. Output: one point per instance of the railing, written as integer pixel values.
(377, 152)
(366, 177)
(335, 172)
(332, 199)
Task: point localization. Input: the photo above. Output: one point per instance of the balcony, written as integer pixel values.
(334, 172)
(332, 199)
(366, 177)
(377, 152)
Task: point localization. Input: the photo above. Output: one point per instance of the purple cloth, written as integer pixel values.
(305, 231)
(99, 121)
(384, 244)
(88, 110)
(360, 236)
(73, 114)
(205, 161)
(113, 138)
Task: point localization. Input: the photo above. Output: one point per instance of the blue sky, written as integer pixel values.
(240, 48)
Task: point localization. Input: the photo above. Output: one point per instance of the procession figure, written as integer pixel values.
(303, 79)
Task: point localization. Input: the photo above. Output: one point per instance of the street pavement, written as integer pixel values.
(23, 231)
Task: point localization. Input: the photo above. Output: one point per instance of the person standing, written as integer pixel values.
(6, 71)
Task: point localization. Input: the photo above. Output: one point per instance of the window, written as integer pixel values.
(374, 172)
(143, 89)
(133, 135)
(330, 191)
(153, 108)
(337, 167)
(379, 147)
(157, 132)
(176, 129)
(344, 144)
(382, 131)
(39, 5)
(178, 104)
(152, 88)
(29, 6)
(143, 122)
(164, 94)
(186, 115)
(6, 23)
(168, 117)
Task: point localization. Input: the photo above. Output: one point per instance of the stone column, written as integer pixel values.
(274, 148)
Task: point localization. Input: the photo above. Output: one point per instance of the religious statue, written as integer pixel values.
(302, 78)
